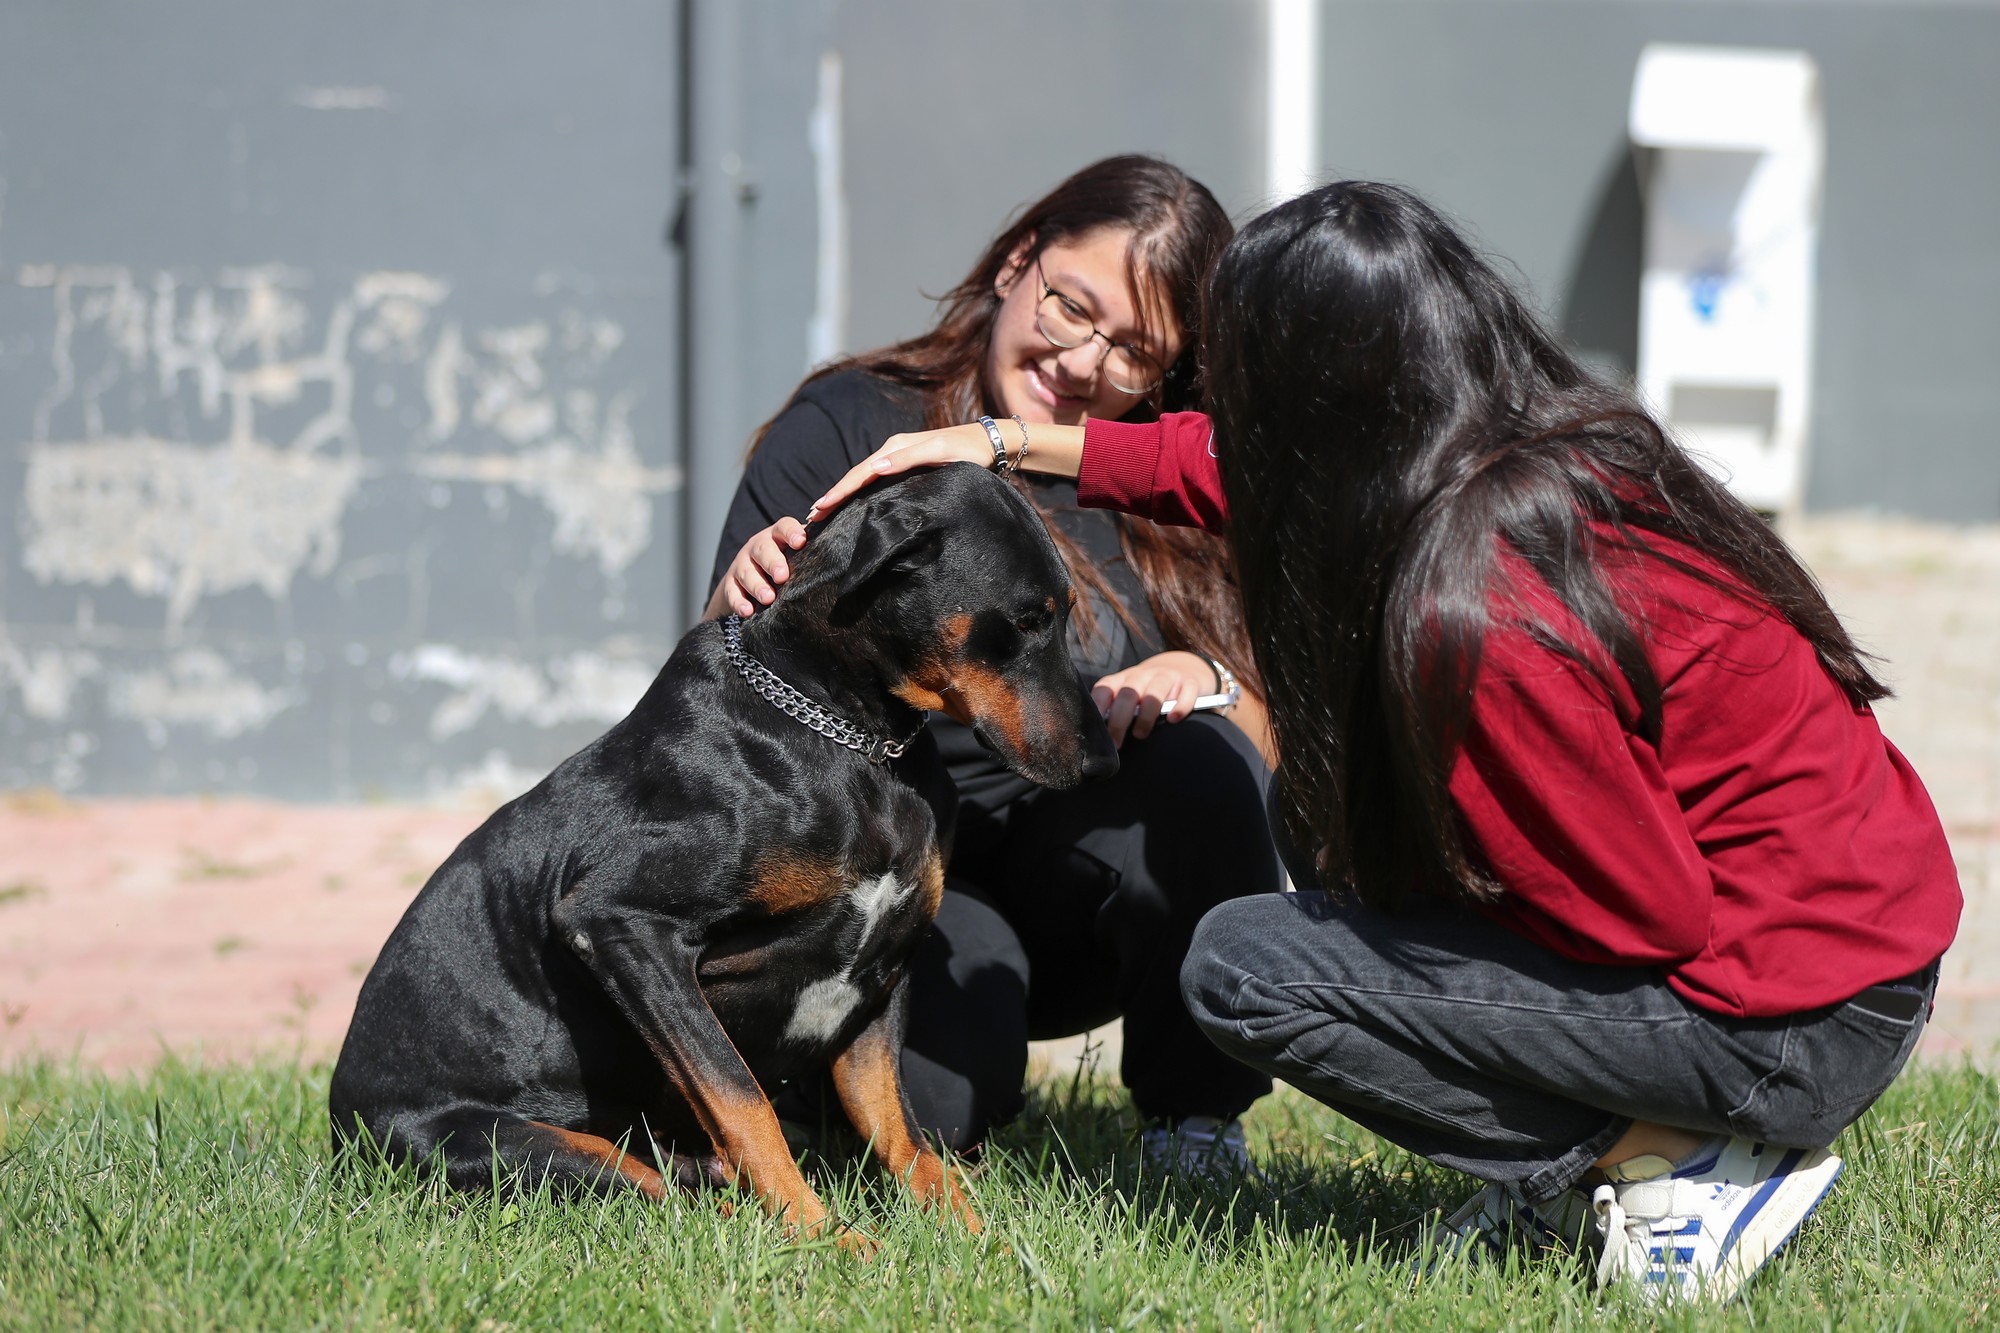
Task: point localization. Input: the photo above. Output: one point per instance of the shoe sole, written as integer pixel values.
(1782, 1204)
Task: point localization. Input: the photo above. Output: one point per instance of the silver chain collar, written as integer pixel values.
(800, 708)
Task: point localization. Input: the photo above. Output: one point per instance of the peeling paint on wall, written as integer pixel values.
(47, 678)
(330, 358)
(182, 521)
(496, 779)
(591, 478)
(344, 99)
(198, 436)
(577, 687)
(196, 687)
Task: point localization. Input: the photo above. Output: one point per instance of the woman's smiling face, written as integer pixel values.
(1030, 377)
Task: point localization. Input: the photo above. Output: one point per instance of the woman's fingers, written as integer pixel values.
(1147, 714)
(1118, 716)
(1159, 689)
(900, 453)
(758, 569)
(788, 531)
(765, 552)
(1128, 710)
(751, 585)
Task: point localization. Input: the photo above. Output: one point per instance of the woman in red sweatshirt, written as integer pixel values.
(1620, 900)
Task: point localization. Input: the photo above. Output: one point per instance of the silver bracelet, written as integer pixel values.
(1000, 463)
(1228, 692)
(1021, 457)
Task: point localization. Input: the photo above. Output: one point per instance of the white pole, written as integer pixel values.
(826, 332)
(1291, 105)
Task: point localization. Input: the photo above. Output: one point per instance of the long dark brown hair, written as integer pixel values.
(1178, 229)
(1388, 415)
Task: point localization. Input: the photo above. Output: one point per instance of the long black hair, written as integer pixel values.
(1389, 414)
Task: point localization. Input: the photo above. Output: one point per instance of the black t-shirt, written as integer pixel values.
(833, 423)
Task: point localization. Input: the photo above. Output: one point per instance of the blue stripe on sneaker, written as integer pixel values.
(1764, 1195)
(1691, 1228)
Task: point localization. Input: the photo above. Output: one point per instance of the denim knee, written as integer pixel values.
(1222, 955)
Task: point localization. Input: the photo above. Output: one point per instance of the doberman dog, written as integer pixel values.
(721, 892)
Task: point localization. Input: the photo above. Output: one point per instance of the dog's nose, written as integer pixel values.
(1097, 767)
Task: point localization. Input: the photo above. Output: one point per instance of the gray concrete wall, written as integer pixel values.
(364, 431)
(338, 433)
(1511, 114)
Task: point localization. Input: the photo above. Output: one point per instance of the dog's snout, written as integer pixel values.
(1097, 767)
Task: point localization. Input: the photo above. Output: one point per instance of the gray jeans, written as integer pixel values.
(1472, 1046)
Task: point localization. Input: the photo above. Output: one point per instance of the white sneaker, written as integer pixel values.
(1198, 1145)
(1499, 1218)
(1705, 1226)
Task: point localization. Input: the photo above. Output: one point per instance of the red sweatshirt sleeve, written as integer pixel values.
(1160, 470)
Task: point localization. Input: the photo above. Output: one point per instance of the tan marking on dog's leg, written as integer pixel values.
(870, 1085)
(615, 1160)
(753, 1152)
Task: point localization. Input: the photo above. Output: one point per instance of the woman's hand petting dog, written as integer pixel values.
(923, 448)
(754, 575)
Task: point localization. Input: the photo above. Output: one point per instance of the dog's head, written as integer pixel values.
(953, 585)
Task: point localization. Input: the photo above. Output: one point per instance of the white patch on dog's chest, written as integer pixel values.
(824, 1006)
(822, 1009)
(874, 899)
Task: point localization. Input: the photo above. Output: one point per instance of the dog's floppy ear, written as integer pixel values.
(895, 540)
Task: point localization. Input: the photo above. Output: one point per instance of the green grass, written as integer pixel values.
(193, 1198)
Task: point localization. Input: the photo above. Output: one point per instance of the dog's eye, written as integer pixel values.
(1034, 622)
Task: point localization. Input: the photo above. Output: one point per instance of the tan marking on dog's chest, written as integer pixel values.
(782, 885)
(932, 887)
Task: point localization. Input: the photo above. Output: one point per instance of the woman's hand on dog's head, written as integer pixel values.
(922, 448)
(754, 575)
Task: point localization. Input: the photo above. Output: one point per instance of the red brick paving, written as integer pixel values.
(217, 928)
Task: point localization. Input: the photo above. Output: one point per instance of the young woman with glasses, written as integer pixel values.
(1632, 908)
(1064, 910)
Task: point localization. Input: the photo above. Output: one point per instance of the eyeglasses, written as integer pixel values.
(1128, 369)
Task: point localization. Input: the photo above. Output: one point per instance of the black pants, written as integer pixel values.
(1481, 1050)
(1064, 910)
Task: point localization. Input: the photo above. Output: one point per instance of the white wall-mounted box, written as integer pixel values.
(1735, 144)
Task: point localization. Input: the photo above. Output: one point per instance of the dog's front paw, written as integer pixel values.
(857, 1243)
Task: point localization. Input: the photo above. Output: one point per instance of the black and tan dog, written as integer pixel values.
(721, 892)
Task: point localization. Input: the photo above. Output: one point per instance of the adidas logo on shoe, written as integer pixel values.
(1706, 1225)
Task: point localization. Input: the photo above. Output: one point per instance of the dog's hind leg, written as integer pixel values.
(482, 1149)
(868, 1077)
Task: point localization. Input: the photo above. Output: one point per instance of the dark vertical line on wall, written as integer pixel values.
(678, 235)
(718, 194)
